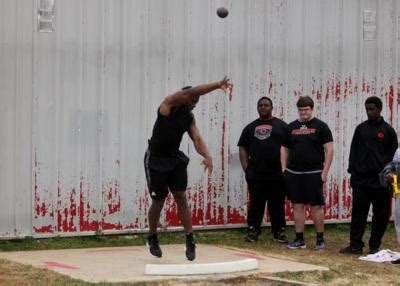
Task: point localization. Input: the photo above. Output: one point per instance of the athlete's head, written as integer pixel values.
(264, 107)
(189, 106)
(373, 107)
(194, 100)
(305, 107)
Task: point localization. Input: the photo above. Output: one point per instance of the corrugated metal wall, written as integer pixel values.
(78, 104)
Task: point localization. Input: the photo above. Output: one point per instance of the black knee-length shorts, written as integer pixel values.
(165, 174)
(305, 188)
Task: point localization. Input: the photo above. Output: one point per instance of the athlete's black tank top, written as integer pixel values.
(168, 132)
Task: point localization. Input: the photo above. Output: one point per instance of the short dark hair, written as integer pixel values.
(374, 100)
(305, 101)
(266, 98)
(194, 97)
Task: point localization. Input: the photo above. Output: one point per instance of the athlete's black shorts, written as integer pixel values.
(165, 173)
(305, 188)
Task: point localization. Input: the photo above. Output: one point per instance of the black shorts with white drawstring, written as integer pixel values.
(304, 187)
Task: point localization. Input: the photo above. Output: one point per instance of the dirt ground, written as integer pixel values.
(344, 269)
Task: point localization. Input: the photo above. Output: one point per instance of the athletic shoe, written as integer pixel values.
(319, 245)
(373, 250)
(154, 247)
(297, 243)
(351, 250)
(280, 237)
(252, 234)
(190, 247)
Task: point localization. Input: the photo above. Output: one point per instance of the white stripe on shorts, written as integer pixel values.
(147, 168)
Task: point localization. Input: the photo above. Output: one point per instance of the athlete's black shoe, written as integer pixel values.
(190, 247)
(280, 237)
(252, 234)
(154, 247)
(351, 250)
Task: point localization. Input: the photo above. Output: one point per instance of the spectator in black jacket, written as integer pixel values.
(373, 146)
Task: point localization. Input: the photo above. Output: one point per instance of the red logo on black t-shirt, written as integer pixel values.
(303, 130)
(381, 135)
(262, 131)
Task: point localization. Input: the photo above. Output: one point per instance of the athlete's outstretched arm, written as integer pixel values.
(201, 147)
(191, 94)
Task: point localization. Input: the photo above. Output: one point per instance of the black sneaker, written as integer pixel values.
(154, 247)
(320, 244)
(252, 234)
(296, 244)
(351, 250)
(373, 250)
(280, 237)
(190, 247)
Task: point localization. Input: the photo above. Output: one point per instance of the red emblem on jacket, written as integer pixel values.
(381, 135)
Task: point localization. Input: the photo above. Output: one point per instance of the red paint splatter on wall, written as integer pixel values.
(40, 208)
(44, 229)
(235, 216)
(110, 226)
(72, 211)
(331, 191)
(390, 99)
(195, 197)
(330, 89)
(230, 92)
(337, 89)
(85, 209)
(289, 211)
(368, 87)
(214, 214)
(222, 152)
(316, 92)
(346, 199)
(270, 88)
(111, 195)
(398, 92)
(171, 212)
(66, 213)
(113, 198)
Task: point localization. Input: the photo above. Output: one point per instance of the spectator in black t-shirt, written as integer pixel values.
(310, 157)
(260, 155)
(373, 146)
(165, 165)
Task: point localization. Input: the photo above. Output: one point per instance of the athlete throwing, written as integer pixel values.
(165, 164)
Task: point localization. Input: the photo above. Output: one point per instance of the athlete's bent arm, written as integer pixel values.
(201, 147)
(328, 147)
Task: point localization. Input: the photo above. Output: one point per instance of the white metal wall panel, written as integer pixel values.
(16, 94)
(78, 104)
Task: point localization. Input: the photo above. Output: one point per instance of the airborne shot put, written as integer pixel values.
(165, 165)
